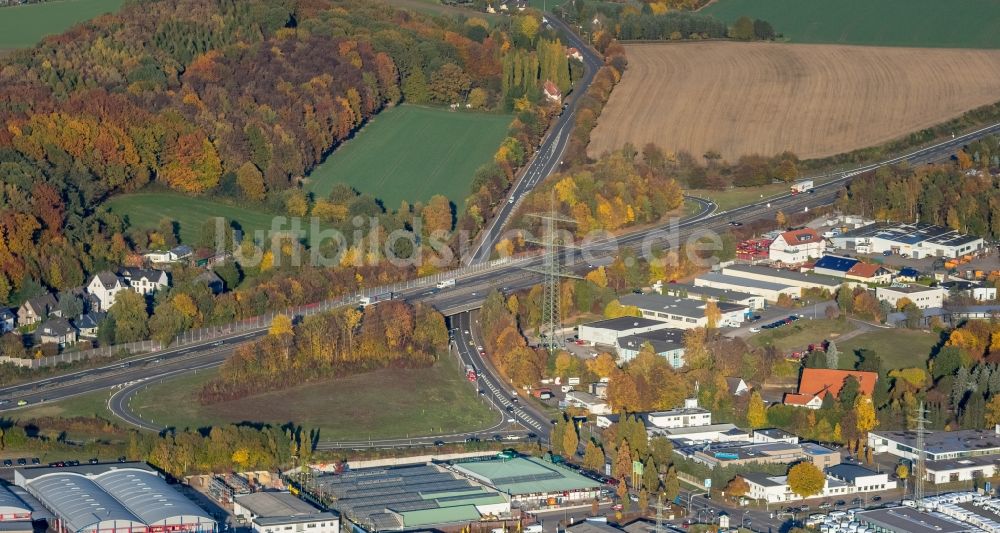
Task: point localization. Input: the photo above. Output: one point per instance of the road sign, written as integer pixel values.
(637, 468)
(708, 483)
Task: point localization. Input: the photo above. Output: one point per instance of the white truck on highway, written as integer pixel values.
(372, 300)
(446, 283)
(802, 186)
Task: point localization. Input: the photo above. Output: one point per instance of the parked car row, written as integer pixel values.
(23, 461)
(778, 323)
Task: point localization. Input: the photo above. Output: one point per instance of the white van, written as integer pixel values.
(534, 528)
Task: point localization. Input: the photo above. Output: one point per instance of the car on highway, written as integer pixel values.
(35, 461)
(735, 224)
(754, 330)
(497, 438)
(472, 439)
(8, 462)
(482, 392)
(510, 408)
(22, 461)
(439, 443)
(21, 403)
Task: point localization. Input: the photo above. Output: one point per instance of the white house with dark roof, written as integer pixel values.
(105, 286)
(144, 280)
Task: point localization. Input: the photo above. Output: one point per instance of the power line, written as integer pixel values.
(554, 240)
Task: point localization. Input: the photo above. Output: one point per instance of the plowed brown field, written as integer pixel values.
(765, 98)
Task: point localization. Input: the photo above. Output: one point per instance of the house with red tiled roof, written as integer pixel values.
(551, 91)
(797, 246)
(869, 273)
(816, 383)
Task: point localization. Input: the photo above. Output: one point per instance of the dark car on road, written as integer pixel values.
(22, 461)
(8, 462)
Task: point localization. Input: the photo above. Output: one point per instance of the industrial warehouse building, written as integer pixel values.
(802, 280)
(15, 513)
(607, 332)
(923, 297)
(682, 313)
(702, 292)
(112, 498)
(272, 512)
(410, 496)
(916, 240)
(667, 342)
(531, 482)
(765, 290)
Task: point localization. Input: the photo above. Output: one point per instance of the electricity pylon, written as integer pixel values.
(554, 241)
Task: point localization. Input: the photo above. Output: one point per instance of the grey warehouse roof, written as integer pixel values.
(624, 323)
(86, 496)
(79, 502)
(275, 504)
(818, 279)
(10, 503)
(679, 306)
(150, 498)
(715, 277)
(707, 292)
(909, 520)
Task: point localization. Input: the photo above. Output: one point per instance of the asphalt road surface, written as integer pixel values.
(548, 157)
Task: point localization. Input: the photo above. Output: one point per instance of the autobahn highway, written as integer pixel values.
(548, 157)
(470, 290)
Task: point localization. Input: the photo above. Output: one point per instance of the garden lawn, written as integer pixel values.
(145, 210)
(916, 23)
(382, 404)
(412, 153)
(898, 348)
(801, 333)
(23, 26)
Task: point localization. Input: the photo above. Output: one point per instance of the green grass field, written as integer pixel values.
(739, 196)
(802, 333)
(145, 210)
(23, 26)
(437, 400)
(898, 348)
(930, 23)
(412, 153)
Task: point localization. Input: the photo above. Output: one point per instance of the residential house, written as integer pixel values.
(36, 309)
(869, 273)
(7, 320)
(173, 255)
(56, 330)
(797, 246)
(907, 275)
(737, 386)
(88, 323)
(816, 383)
(551, 91)
(145, 281)
(105, 286)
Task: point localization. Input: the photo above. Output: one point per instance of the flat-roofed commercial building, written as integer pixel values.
(765, 290)
(113, 498)
(938, 445)
(409, 496)
(531, 481)
(803, 280)
(702, 292)
(276, 512)
(923, 297)
(607, 332)
(683, 313)
(916, 240)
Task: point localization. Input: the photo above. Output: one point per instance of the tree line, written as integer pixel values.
(233, 99)
(346, 341)
(947, 195)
